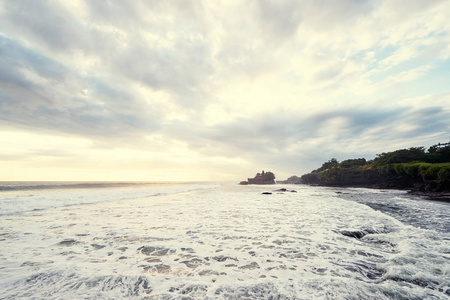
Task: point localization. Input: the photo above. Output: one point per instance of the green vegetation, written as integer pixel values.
(439, 153)
(327, 165)
(416, 163)
(352, 163)
(426, 171)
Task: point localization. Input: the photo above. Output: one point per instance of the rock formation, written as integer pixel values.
(261, 178)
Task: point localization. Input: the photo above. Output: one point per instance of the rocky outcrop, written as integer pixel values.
(260, 178)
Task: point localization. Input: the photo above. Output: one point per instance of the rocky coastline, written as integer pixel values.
(372, 178)
(415, 169)
(430, 189)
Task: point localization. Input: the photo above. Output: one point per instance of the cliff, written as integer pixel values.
(414, 169)
(376, 178)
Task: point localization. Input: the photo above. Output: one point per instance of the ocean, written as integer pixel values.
(220, 241)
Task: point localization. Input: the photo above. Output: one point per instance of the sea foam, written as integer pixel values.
(230, 242)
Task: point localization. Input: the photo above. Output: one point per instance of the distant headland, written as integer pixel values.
(260, 178)
(291, 180)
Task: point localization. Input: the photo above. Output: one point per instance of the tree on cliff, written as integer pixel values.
(353, 163)
(327, 165)
(439, 153)
(400, 156)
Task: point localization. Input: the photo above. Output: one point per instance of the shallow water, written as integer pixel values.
(207, 241)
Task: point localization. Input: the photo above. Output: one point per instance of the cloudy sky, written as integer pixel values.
(216, 90)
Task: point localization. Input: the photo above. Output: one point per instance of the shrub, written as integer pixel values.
(387, 169)
(399, 169)
(444, 174)
(412, 170)
(310, 178)
(431, 172)
(353, 163)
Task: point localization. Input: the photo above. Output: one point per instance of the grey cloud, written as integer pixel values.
(359, 120)
(295, 142)
(145, 13)
(103, 89)
(284, 128)
(428, 120)
(114, 12)
(183, 70)
(181, 66)
(14, 58)
(280, 18)
(329, 73)
(327, 14)
(47, 102)
(47, 21)
(399, 12)
(253, 43)
(58, 101)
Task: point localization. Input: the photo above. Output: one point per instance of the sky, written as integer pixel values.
(191, 90)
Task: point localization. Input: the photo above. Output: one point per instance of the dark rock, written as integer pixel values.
(193, 263)
(266, 193)
(69, 242)
(222, 258)
(153, 260)
(96, 246)
(158, 251)
(359, 233)
(251, 266)
(188, 250)
(354, 234)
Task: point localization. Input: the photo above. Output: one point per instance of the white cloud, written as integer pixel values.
(408, 75)
(238, 83)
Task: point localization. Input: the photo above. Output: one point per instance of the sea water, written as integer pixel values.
(220, 241)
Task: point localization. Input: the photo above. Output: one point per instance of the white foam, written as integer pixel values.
(21, 201)
(226, 243)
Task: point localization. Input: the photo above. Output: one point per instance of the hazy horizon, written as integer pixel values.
(216, 91)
